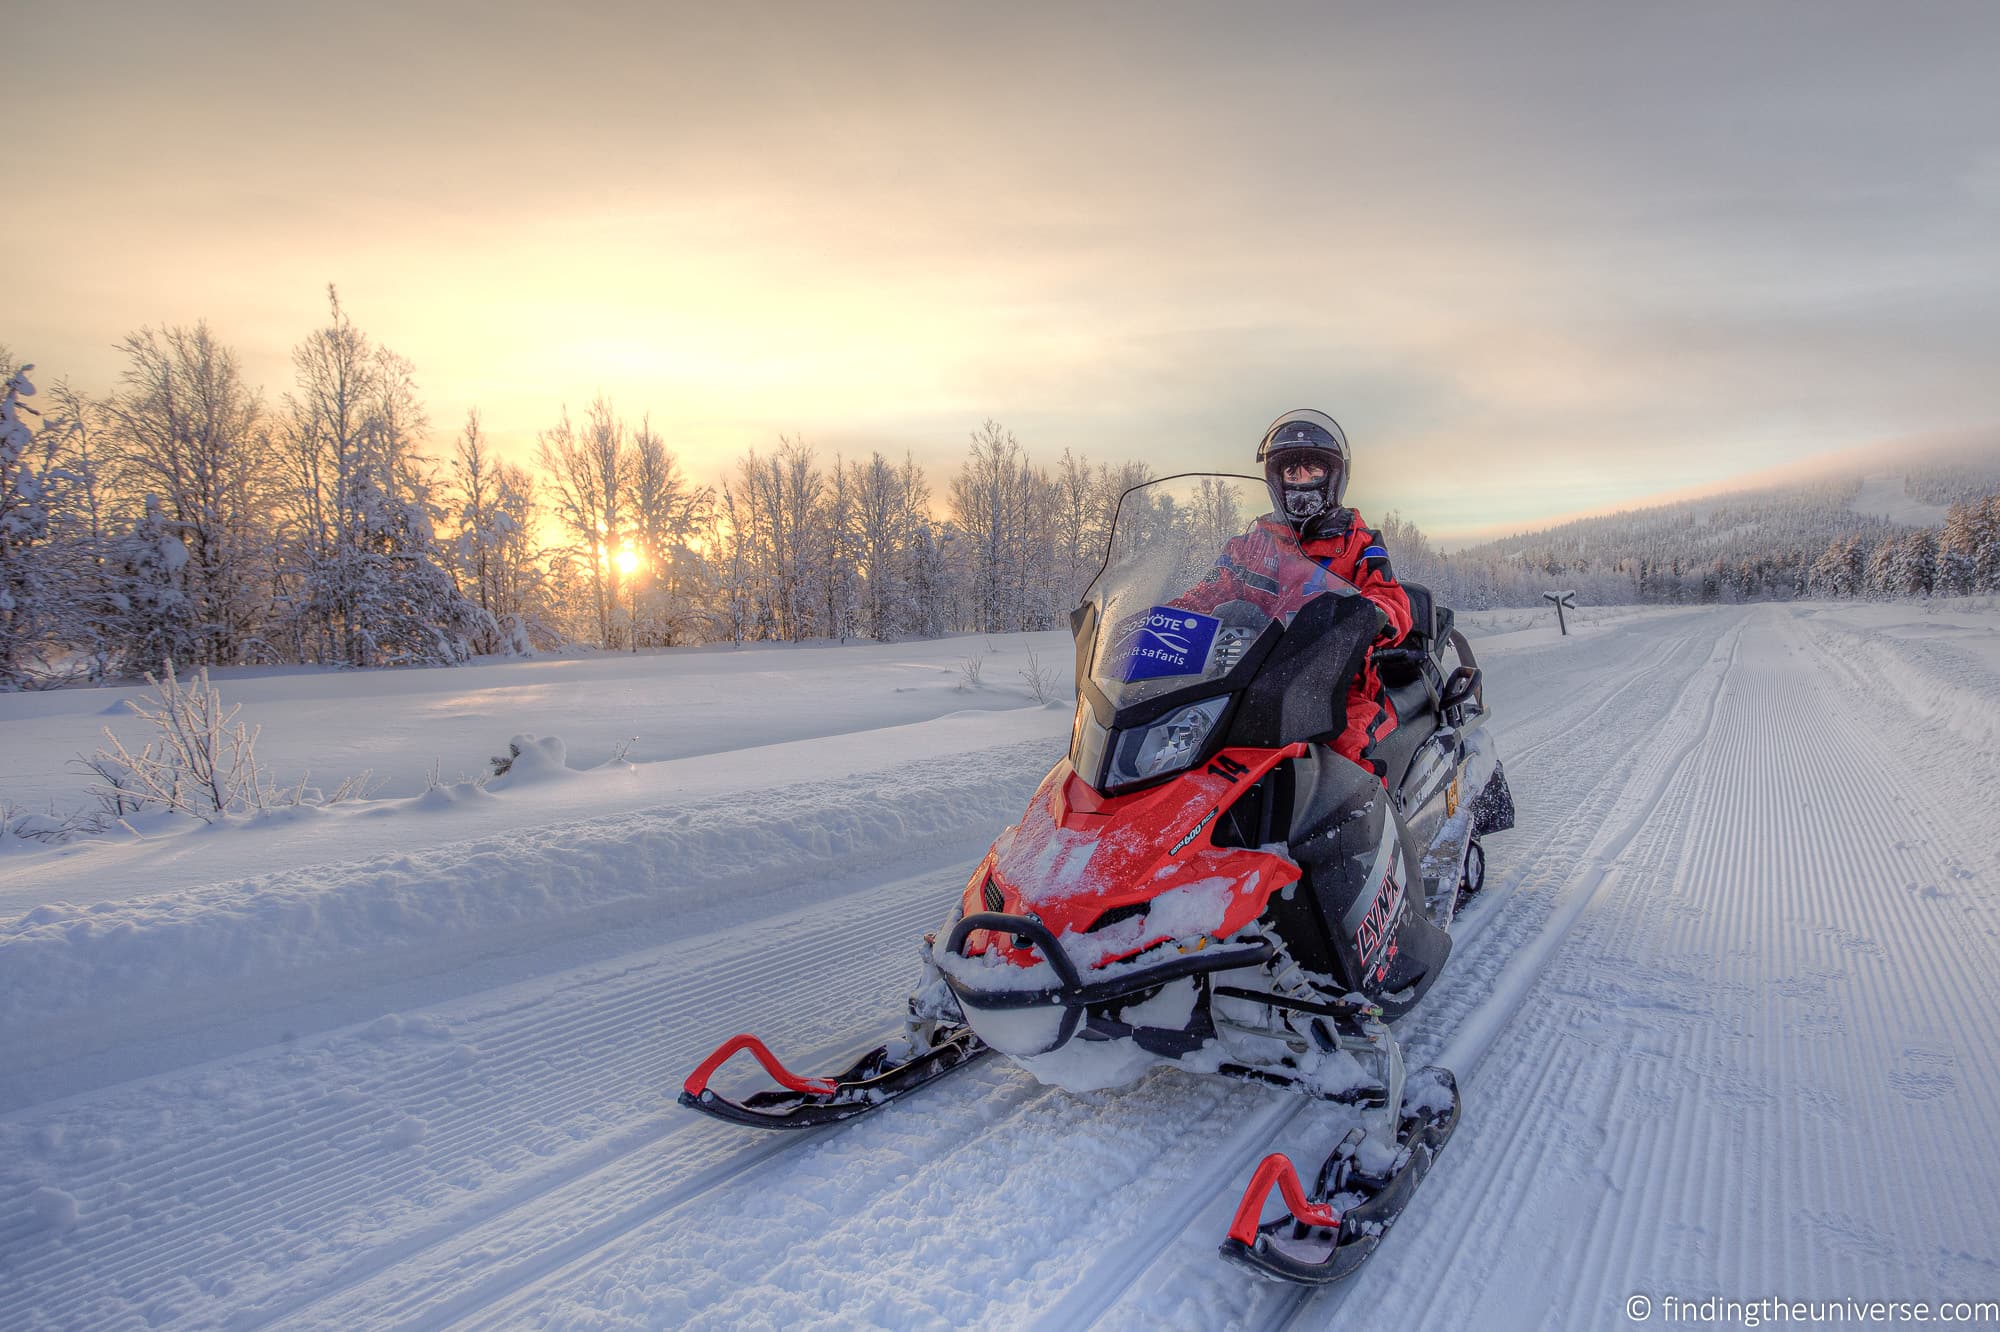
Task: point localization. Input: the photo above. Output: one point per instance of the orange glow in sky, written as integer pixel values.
(1535, 265)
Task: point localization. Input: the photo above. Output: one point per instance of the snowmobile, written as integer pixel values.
(1201, 881)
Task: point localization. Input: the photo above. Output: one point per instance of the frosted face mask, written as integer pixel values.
(1304, 481)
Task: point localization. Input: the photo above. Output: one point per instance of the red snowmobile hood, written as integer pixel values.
(1133, 870)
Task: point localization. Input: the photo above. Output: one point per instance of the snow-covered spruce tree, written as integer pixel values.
(326, 445)
(408, 609)
(1968, 556)
(738, 578)
(1903, 564)
(152, 622)
(1841, 571)
(936, 575)
(989, 510)
(480, 526)
(26, 596)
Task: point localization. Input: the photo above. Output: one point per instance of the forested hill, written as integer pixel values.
(1920, 529)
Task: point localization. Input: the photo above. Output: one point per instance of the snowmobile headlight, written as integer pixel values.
(1168, 745)
(1087, 742)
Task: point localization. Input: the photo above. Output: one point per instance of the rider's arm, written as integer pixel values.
(1378, 583)
(1237, 576)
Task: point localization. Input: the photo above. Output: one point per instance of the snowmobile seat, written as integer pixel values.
(1423, 616)
(1416, 722)
(1418, 652)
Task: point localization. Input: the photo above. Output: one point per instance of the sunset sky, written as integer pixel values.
(1536, 259)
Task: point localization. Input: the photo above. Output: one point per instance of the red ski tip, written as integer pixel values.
(697, 1082)
(1276, 1169)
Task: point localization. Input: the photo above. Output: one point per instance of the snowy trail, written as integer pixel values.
(1770, 988)
(1720, 1019)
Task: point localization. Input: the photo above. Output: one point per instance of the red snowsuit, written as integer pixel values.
(1255, 567)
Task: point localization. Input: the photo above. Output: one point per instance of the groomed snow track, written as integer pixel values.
(1743, 940)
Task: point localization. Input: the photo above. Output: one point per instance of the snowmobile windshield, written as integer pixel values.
(1196, 571)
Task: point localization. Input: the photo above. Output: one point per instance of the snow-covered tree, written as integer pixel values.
(1903, 564)
(366, 577)
(935, 596)
(1968, 555)
(775, 533)
(889, 511)
(1841, 571)
(189, 432)
(1007, 512)
(667, 513)
(152, 623)
(25, 592)
(836, 564)
(589, 479)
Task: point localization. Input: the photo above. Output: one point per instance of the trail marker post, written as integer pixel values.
(1559, 600)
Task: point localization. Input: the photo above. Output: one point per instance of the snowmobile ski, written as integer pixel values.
(875, 1079)
(1326, 1234)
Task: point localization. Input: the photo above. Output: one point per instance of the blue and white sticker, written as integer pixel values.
(1171, 641)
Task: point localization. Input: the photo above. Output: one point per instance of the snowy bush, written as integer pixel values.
(200, 760)
(529, 758)
(1044, 682)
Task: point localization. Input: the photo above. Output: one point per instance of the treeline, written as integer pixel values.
(1962, 556)
(184, 518)
(1759, 546)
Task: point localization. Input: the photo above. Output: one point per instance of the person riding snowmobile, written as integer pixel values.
(1305, 459)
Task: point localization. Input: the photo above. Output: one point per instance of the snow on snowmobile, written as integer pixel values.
(1203, 882)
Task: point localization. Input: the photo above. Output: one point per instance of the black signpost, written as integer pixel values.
(1560, 600)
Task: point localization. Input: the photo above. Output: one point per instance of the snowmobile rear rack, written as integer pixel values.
(1315, 1242)
(874, 1079)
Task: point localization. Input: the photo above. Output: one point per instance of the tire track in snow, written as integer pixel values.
(660, 1188)
(1522, 1155)
(1611, 696)
(1509, 1153)
(1471, 1041)
(1803, 903)
(546, 1069)
(1775, 1069)
(1812, 906)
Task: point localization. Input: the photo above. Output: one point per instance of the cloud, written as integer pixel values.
(1533, 258)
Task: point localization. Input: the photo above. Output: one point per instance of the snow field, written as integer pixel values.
(177, 960)
(1719, 1020)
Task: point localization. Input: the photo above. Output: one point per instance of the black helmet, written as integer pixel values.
(1305, 436)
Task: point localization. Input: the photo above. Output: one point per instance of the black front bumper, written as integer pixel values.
(1090, 1008)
